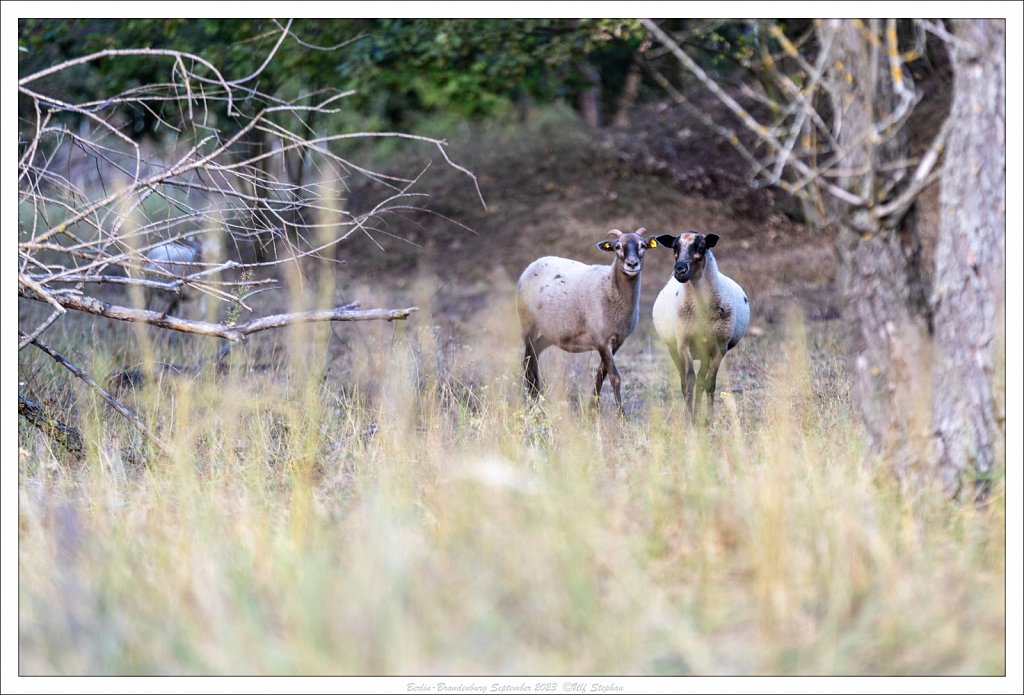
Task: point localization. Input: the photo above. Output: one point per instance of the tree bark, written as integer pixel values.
(879, 259)
(970, 257)
(630, 90)
(590, 98)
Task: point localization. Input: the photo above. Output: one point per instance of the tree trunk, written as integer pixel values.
(630, 90)
(590, 98)
(970, 273)
(879, 259)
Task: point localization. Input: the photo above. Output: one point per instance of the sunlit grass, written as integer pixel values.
(404, 511)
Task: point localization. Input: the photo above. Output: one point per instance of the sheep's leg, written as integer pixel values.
(172, 306)
(690, 378)
(608, 366)
(602, 372)
(710, 381)
(531, 370)
(701, 387)
(684, 363)
(677, 360)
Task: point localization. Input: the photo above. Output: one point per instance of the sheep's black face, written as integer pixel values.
(690, 250)
(629, 250)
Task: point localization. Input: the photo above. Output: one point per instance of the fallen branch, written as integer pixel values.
(236, 333)
(338, 314)
(66, 435)
(113, 402)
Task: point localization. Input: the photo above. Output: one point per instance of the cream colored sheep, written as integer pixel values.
(580, 307)
(700, 315)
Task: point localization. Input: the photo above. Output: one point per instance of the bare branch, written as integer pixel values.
(101, 202)
(338, 314)
(763, 132)
(113, 402)
(807, 143)
(40, 292)
(335, 47)
(726, 133)
(235, 333)
(112, 52)
(26, 340)
(922, 178)
(111, 280)
(266, 61)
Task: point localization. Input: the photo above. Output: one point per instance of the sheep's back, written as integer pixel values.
(553, 294)
(171, 258)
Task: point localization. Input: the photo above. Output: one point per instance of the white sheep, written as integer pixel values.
(580, 307)
(700, 315)
(173, 260)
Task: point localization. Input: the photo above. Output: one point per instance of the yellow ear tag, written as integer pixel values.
(606, 246)
(652, 244)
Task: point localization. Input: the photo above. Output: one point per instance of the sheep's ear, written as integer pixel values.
(710, 240)
(666, 240)
(606, 245)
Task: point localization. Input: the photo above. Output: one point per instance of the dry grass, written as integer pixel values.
(386, 503)
(379, 499)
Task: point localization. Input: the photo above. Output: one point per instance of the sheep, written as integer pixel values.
(580, 307)
(700, 315)
(173, 260)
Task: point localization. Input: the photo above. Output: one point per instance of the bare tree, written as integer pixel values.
(99, 206)
(831, 129)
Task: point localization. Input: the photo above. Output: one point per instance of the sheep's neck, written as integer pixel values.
(705, 288)
(627, 291)
(626, 286)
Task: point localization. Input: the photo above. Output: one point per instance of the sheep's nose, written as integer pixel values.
(682, 268)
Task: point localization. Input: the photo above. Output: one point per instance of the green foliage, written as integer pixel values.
(478, 67)
(399, 68)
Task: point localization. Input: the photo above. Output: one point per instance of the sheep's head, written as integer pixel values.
(690, 250)
(628, 249)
